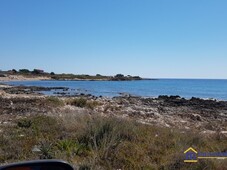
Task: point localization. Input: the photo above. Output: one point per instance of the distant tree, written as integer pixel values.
(98, 75)
(137, 77)
(52, 73)
(24, 71)
(37, 71)
(119, 76)
(14, 70)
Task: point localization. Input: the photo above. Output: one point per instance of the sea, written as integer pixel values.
(187, 88)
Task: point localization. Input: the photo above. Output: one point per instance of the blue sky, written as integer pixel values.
(149, 38)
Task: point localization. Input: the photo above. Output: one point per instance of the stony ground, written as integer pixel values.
(208, 116)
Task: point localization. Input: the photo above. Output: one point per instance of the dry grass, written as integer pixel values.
(95, 142)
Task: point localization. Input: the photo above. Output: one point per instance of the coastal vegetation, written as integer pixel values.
(36, 73)
(97, 142)
(83, 103)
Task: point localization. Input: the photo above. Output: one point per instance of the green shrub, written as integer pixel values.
(46, 150)
(72, 148)
(24, 71)
(54, 101)
(80, 102)
(45, 127)
(24, 123)
(83, 103)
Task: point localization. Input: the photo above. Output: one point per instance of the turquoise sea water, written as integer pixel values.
(147, 88)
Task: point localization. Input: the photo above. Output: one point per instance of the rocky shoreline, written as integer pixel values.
(207, 116)
(86, 129)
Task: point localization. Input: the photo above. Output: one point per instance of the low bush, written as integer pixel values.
(24, 123)
(80, 102)
(83, 103)
(54, 101)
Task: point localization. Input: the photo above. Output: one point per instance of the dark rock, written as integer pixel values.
(3, 75)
